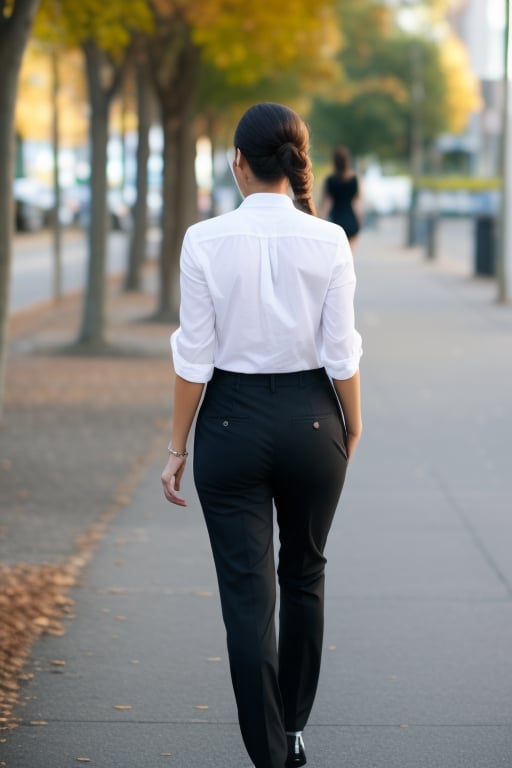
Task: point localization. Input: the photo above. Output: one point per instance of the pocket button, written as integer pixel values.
(316, 425)
(225, 423)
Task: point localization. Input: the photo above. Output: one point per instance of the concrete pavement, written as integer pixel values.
(417, 669)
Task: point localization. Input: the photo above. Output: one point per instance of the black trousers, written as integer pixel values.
(264, 440)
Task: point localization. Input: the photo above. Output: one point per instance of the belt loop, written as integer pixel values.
(272, 382)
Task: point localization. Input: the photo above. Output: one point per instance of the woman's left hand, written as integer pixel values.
(171, 479)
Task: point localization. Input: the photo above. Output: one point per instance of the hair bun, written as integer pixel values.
(289, 156)
(275, 142)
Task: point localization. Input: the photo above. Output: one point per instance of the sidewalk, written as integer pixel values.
(416, 670)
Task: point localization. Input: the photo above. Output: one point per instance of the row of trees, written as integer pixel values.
(344, 59)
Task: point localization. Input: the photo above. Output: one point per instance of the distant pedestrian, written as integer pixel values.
(341, 195)
(267, 321)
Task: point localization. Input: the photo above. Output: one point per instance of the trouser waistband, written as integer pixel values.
(270, 380)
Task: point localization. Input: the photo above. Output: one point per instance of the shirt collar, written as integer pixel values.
(267, 200)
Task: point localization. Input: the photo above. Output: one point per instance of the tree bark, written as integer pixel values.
(137, 252)
(57, 224)
(93, 315)
(98, 68)
(168, 296)
(14, 34)
(175, 67)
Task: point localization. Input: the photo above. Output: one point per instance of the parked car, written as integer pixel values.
(154, 203)
(383, 195)
(31, 204)
(118, 209)
(34, 205)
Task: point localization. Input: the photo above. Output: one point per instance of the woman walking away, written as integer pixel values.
(267, 322)
(341, 195)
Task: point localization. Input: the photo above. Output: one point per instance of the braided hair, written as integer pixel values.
(275, 142)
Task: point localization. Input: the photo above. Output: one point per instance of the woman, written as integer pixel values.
(341, 195)
(267, 322)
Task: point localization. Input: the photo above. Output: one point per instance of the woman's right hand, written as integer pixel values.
(171, 479)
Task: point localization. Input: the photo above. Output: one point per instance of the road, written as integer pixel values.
(32, 268)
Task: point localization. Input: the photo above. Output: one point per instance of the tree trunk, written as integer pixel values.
(92, 332)
(14, 33)
(57, 224)
(175, 67)
(168, 294)
(137, 252)
(180, 206)
(187, 184)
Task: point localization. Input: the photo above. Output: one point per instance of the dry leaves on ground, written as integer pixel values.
(32, 603)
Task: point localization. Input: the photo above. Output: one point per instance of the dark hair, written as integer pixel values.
(342, 160)
(275, 142)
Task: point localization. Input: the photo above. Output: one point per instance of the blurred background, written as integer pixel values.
(124, 114)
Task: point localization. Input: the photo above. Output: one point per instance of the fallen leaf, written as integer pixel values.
(121, 499)
(83, 759)
(121, 618)
(38, 722)
(331, 647)
(201, 706)
(121, 706)
(58, 663)
(165, 754)
(214, 658)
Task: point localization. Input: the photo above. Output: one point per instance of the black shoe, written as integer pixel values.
(296, 754)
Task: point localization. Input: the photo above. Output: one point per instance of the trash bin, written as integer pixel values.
(485, 245)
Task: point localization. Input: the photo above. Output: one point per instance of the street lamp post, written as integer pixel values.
(504, 265)
(416, 139)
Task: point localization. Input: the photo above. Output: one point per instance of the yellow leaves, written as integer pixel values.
(462, 88)
(392, 86)
(121, 706)
(252, 39)
(109, 24)
(33, 107)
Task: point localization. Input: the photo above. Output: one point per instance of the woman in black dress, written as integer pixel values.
(340, 195)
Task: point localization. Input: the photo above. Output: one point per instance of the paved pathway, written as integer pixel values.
(417, 670)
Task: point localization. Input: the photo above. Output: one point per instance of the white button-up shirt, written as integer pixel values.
(266, 289)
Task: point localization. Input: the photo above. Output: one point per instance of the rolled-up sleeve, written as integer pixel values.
(341, 345)
(193, 343)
